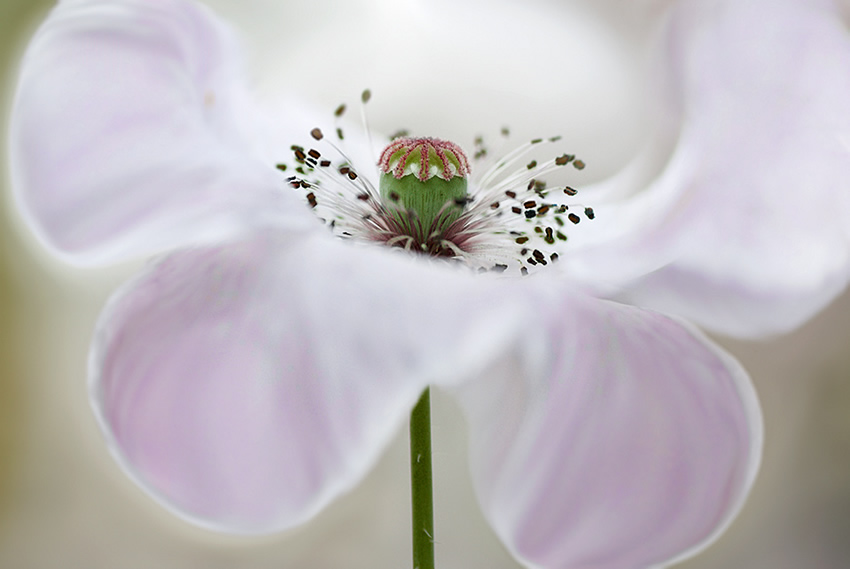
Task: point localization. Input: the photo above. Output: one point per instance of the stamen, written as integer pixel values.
(469, 225)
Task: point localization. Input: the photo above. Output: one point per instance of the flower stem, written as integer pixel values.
(422, 494)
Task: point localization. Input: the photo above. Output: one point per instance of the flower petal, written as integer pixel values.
(619, 438)
(246, 386)
(132, 131)
(749, 224)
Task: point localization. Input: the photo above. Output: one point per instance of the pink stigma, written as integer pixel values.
(394, 158)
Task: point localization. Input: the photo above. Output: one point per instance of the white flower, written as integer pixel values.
(258, 370)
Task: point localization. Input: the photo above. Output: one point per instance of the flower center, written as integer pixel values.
(426, 178)
(423, 198)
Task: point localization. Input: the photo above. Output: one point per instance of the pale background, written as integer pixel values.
(65, 504)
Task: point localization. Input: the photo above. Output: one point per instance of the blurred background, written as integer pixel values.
(64, 503)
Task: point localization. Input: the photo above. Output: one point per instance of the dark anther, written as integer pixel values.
(579, 164)
(515, 209)
(522, 239)
(555, 138)
(529, 213)
(304, 184)
(531, 261)
(494, 205)
(570, 191)
(339, 134)
(339, 111)
(500, 268)
(574, 218)
(529, 204)
(281, 167)
(554, 257)
(537, 141)
(366, 95)
(511, 194)
(560, 236)
(588, 211)
(531, 164)
(344, 170)
(523, 271)
(523, 251)
(314, 153)
(317, 133)
(542, 210)
(300, 156)
(363, 197)
(505, 131)
(538, 255)
(352, 175)
(564, 159)
(325, 163)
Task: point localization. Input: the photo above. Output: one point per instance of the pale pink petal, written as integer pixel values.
(132, 131)
(617, 438)
(749, 223)
(245, 386)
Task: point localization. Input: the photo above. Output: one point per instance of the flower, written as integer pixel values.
(255, 372)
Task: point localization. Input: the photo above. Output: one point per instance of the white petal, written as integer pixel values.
(618, 438)
(749, 223)
(132, 131)
(246, 386)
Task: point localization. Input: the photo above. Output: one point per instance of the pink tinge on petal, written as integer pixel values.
(133, 131)
(616, 438)
(247, 385)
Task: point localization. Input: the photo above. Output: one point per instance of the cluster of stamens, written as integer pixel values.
(508, 217)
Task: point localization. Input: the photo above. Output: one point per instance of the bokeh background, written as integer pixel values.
(64, 503)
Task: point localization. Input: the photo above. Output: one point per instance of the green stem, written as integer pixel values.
(421, 490)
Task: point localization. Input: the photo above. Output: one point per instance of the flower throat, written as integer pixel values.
(428, 202)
